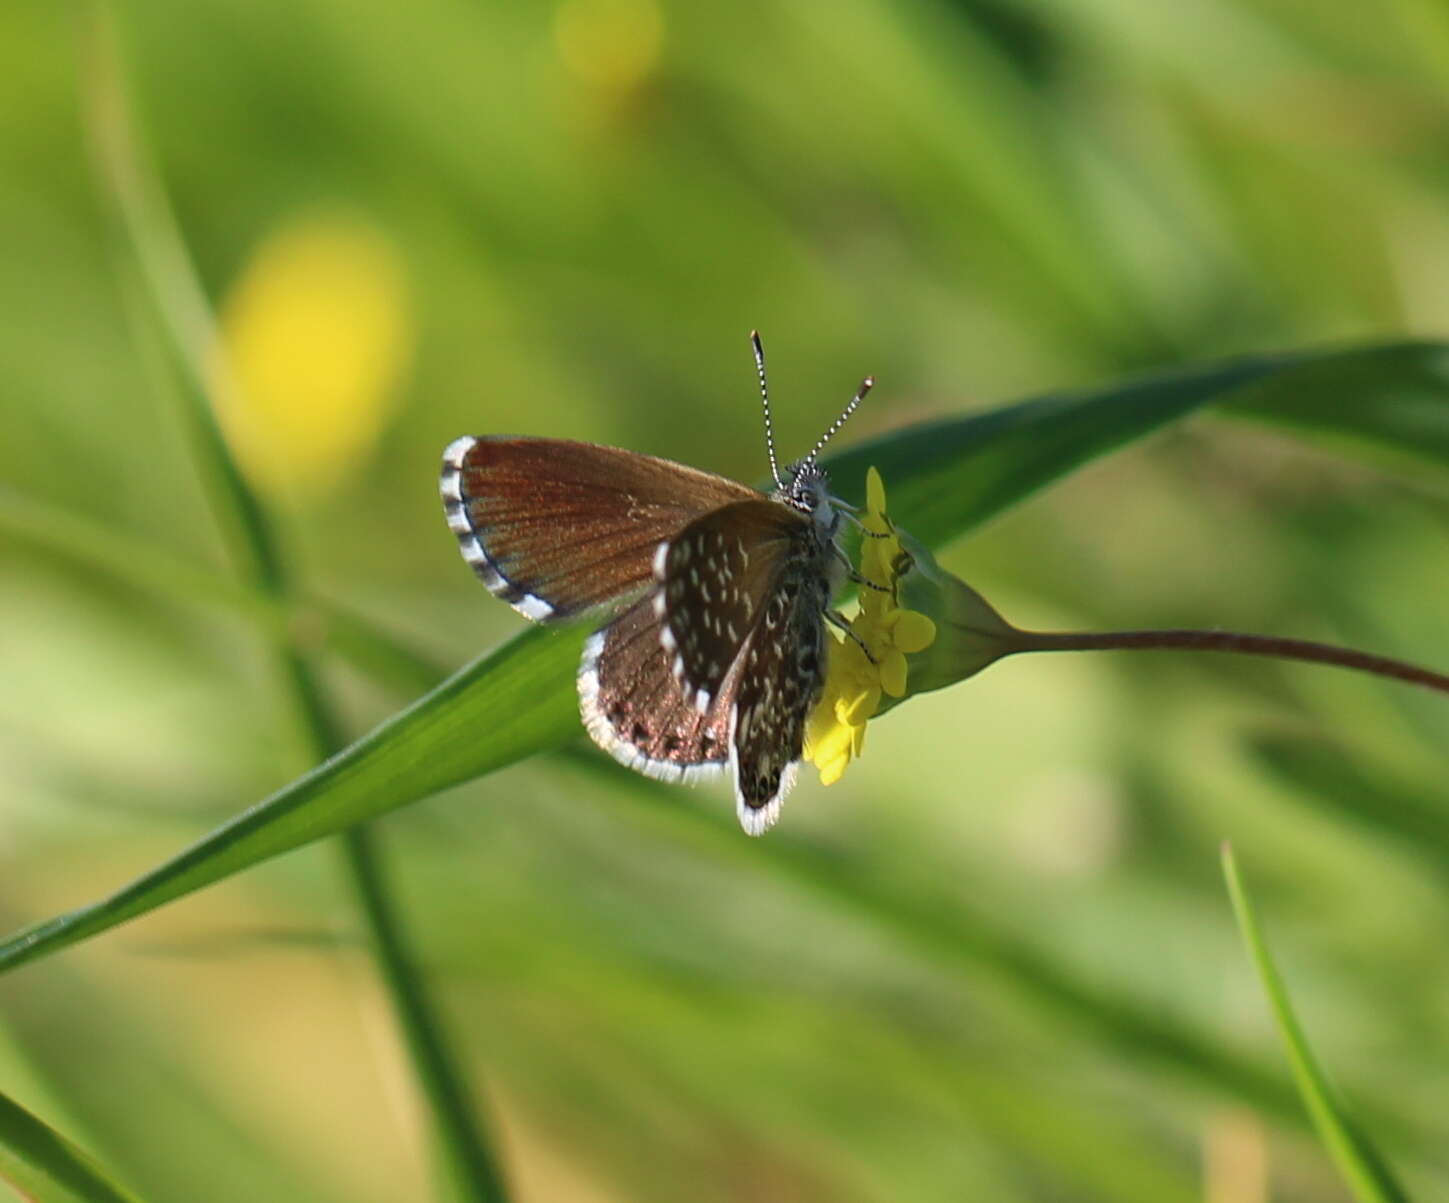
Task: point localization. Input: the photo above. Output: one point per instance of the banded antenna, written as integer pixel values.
(865, 386)
(765, 401)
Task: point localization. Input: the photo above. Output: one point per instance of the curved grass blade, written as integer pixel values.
(945, 477)
(949, 476)
(1365, 1171)
(186, 331)
(42, 1165)
(1344, 398)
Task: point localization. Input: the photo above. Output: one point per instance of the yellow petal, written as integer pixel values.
(912, 631)
(875, 499)
(835, 745)
(834, 770)
(893, 673)
(858, 708)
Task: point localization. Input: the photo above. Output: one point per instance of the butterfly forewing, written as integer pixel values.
(557, 528)
(715, 577)
(634, 709)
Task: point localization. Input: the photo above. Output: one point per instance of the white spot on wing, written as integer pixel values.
(458, 521)
(758, 820)
(454, 453)
(533, 607)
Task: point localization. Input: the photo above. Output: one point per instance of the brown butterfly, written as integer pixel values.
(716, 594)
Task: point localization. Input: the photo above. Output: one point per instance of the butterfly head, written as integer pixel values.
(806, 488)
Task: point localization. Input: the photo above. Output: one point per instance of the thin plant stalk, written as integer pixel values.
(179, 310)
(1359, 1161)
(1227, 641)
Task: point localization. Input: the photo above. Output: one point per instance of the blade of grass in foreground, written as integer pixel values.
(1362, 1167)
(42, 1165)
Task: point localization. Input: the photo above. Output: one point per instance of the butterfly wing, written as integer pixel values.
(715, 577)
(557, 528)
(741, 598)
(635, 710)
(781, 675)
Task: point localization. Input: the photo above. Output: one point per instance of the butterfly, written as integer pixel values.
(716, 595)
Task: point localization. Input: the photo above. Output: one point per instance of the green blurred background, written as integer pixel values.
(564, 219)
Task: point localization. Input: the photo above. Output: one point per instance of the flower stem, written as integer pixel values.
(1228, 641)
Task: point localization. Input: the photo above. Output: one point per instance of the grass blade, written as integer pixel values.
(1362, 1167)
(186, 330)
(42, 1165)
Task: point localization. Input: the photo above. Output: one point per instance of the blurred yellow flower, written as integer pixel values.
(314, 337)
(612, 46)
(855, 681)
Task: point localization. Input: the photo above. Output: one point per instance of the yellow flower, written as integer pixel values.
(855, 680)
(315, 336)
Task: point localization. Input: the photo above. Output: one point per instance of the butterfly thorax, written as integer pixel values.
(806, 489)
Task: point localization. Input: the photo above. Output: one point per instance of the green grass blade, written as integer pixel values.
(187, 332)
(42, 1165)
(945, 478)
(1386, 400)
(468, 1161)
(1362, 1167)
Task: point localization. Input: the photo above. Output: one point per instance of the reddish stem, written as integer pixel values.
(1228, 641)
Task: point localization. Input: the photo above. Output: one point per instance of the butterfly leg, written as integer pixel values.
(852, 575)
(852, 514)
(837, 619)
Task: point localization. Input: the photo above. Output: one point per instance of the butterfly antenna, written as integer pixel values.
(765, 401)
(865, 386)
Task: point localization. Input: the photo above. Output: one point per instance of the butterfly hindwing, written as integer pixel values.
(634, 709)
(557, 528)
